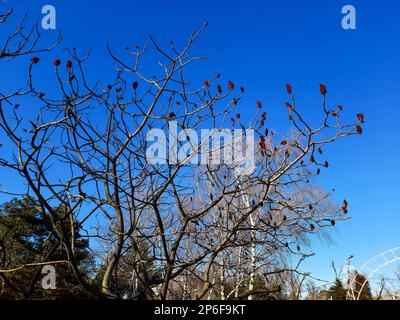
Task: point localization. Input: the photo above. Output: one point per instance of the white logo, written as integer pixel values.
(185, 147)
(49, 280)
(49, 20)
(349, 20)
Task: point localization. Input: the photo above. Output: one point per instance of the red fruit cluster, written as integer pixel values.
(262, 143)
(172, 115)
(263, 117)
(35, 60)
(344, 206)
(322, 89)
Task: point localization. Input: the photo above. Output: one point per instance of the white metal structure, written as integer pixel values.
(369, 269)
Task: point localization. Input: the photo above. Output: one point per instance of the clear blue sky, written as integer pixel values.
(263, 45)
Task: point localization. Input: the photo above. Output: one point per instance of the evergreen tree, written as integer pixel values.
(362, 287)
(27, 237)
(337, 291)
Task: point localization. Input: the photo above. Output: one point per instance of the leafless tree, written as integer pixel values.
(173, 227)
(313, 292)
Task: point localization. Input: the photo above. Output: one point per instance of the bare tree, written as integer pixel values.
(313, 293)
(172, 226)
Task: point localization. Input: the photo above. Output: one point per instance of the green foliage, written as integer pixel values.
(362, 287)
(336, 291)
(27, 237)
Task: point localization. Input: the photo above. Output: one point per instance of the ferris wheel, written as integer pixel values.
(369, 270)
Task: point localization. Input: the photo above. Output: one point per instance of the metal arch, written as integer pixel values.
(373, 269)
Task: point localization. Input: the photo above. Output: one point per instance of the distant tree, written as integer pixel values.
(359, 287)
(381, 288)
(362, 287)
(263, 289)
(337, 291)
(313, 293)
